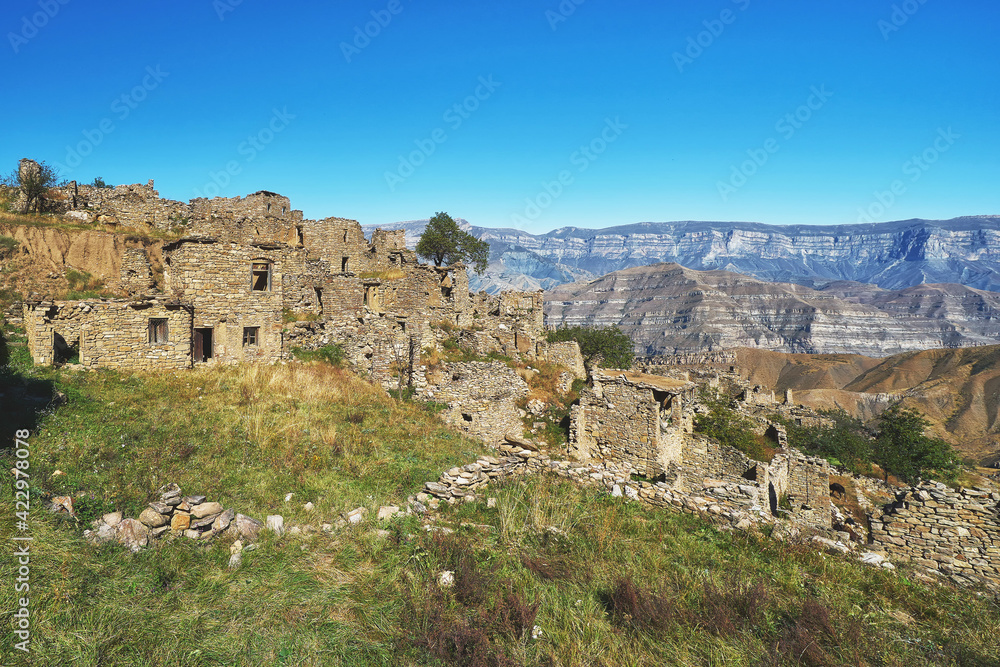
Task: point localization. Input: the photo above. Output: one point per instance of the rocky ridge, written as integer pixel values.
(669, 309)
(892, 255)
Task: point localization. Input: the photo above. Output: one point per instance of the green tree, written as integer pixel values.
(901, 448)
(728, 426)
(32, 180)
(99, 183)
(607, 345)
(846, 443)
(444, 243)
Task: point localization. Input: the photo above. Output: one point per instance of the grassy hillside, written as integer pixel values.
(605, 582)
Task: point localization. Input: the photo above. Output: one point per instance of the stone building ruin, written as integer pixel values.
(255, 279)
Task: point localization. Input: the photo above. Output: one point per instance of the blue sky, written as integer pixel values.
(535, 115)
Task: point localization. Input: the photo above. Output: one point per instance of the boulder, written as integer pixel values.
(194, 500)
(387, 512)
(132, 534)
(202, 510)
(152, 518)
(222, 521)
(247, 527)
(180, 521)
(169, 491)
(112, 519)
(161, 508)
(275, 523)
(356, 516)
(62, 505)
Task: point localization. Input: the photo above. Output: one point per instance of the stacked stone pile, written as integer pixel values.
(173, 514)
(955, 534)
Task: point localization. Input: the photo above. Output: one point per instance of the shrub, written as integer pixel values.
(729, 427)
(608, 346)
(7, 246)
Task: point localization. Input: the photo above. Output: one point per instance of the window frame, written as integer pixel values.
(268, 268)
(251, 336)
(156, 327)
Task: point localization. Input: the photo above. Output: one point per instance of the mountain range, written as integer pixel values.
(891, 255)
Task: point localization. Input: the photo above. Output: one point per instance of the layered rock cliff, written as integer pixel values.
(668, 309)
(892, 255)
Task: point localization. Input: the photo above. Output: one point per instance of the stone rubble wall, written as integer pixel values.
(566, 354)
(136, 272)
(481, 397)
(955, 534)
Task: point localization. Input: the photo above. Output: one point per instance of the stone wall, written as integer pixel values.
(951, 533)
(632, 419)
(481, 398)
(218, 280)
(112, 334)
(566, 354)
(136, 272)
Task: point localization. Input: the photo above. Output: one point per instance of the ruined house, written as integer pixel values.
(646, 423)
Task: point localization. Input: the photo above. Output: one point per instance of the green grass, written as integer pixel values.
(607, 582)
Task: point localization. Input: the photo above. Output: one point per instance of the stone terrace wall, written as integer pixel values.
(952, 533)
(113, 334)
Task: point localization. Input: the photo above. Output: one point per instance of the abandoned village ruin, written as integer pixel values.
(250, 279)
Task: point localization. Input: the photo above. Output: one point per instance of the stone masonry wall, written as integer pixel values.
(952, 533)
(481, 398)
(113, 334)
(216, 280)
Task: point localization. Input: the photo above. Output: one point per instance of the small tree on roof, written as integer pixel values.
(444, 243)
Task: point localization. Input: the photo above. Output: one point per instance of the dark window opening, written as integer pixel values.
(345, 236)
(319, 298)
(260, 277)
(750, 474)
(269, 208)
(203, 344)
(467, 417)
(772, 499)
(158, 330)
(402, 327)
(302, 237)
(282, 210)
(251, 336)
(343, 264)
(446, 292)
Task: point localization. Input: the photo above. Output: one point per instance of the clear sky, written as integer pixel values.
(535, 114)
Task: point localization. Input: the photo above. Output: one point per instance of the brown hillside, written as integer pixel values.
(957, 389)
